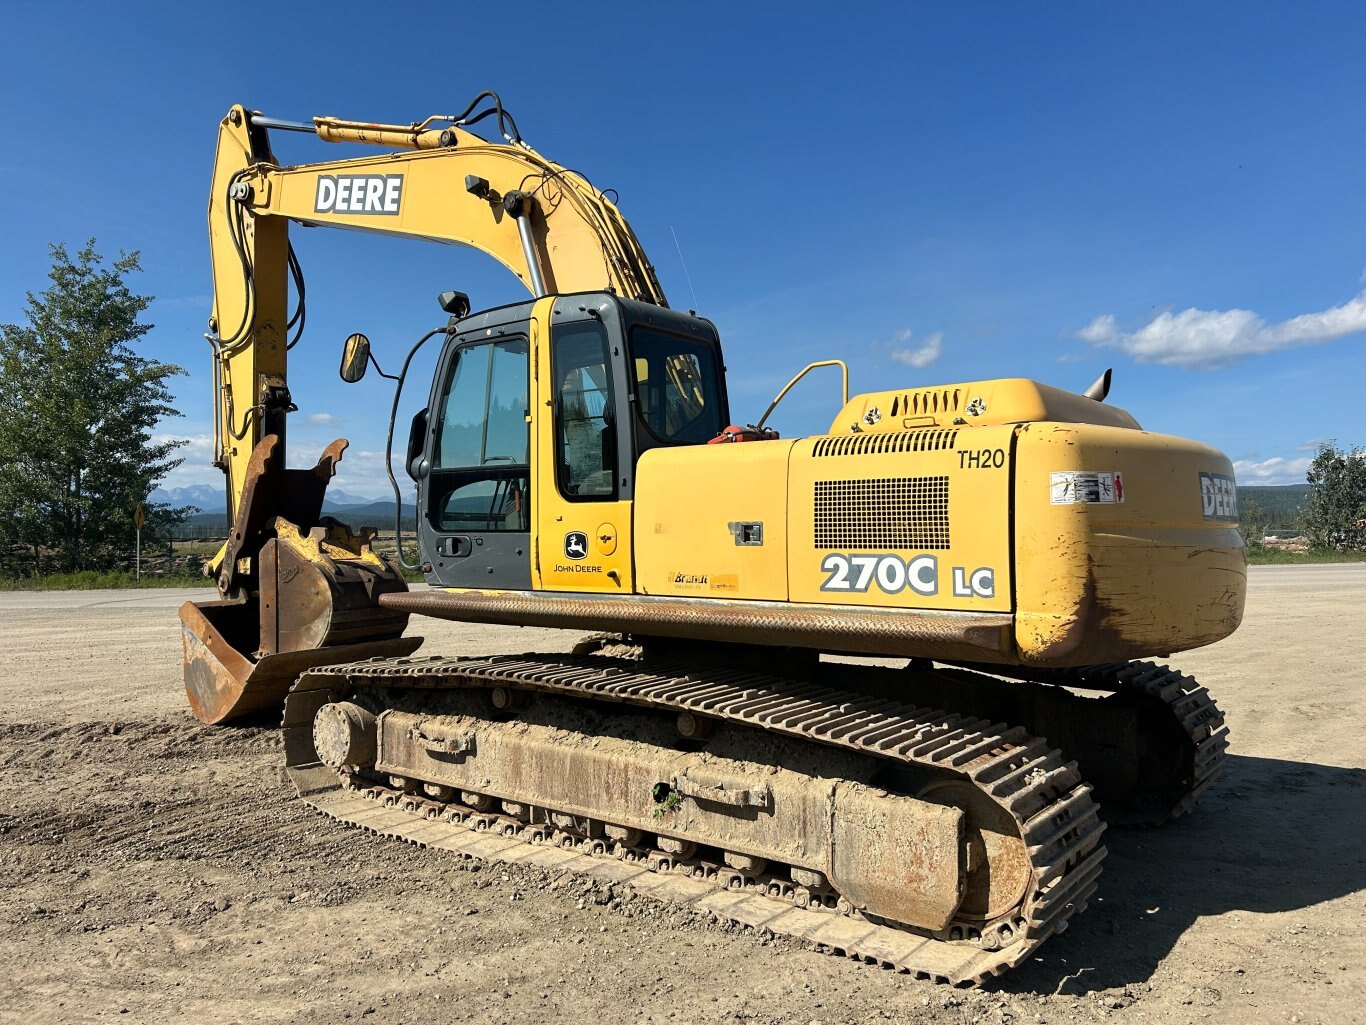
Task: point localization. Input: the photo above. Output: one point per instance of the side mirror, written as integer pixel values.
(355, 358)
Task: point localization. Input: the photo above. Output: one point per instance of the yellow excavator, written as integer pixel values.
(875, 689)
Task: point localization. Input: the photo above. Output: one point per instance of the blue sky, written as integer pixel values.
(935, 193)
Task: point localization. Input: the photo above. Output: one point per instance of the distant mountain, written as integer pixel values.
(1284, 503)
(209, 498)
(371, 514)
(344, 500)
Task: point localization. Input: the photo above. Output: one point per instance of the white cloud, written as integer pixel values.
(323, 419)
(361, 472)
(197, 467)
(196, 446)
(1275, 470)
(1205, 339)
(919, 356)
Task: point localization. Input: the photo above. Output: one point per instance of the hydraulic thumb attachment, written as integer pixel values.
(300, 590)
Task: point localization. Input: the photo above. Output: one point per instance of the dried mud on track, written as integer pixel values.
(155, 870)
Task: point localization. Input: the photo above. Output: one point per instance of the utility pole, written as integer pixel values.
(137, 559)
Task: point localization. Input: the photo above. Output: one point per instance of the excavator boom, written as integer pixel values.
(547, 224)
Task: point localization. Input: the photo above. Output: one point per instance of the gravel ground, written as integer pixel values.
(156, 870)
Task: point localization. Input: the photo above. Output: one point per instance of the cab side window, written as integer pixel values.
(678, 389)
(585, 429)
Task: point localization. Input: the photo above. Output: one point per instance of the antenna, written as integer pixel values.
(695, 303)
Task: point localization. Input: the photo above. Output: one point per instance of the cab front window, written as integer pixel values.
(481, 467)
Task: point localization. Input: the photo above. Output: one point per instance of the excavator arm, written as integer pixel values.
(299, 590)
(546, 224)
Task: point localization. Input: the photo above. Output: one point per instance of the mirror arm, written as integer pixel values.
(375, 363)
(389, 450)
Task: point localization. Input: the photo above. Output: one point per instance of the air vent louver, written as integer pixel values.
(927, 402)
(876, 444)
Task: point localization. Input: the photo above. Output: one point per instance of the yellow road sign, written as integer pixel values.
(138, 518)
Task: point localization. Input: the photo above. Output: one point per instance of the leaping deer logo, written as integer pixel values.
(576, 545)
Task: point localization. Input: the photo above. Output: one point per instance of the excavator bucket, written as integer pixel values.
(225, 681)
(300, 596)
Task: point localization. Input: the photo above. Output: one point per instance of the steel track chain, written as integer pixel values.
(1192, 709)
(1190, 704)
(1051, 807)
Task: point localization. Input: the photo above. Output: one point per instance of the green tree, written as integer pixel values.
(77, 409)
(1336, 512)
(1253, 523)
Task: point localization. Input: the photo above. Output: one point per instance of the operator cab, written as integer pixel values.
(623, 377)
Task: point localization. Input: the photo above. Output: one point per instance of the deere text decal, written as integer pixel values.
(358, 194)
(1218, 497)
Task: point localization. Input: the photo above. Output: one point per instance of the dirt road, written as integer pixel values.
(154, 870)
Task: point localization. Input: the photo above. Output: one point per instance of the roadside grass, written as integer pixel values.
(92, 580)
(1277, 557)
(113, 580)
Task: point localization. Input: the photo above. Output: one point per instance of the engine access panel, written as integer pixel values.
(909, 520)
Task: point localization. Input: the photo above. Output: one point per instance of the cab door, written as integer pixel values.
(582, 451)
(474, 473)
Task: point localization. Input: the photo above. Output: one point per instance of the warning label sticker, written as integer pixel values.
(1086, 487)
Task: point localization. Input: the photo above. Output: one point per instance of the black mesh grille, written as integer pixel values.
(883, 514)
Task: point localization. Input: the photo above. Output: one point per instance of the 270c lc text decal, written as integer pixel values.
(892, 574)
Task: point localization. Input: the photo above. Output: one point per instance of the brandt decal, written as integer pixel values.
(358, 194)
